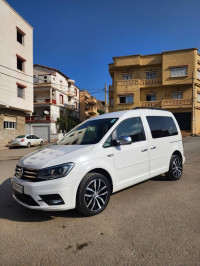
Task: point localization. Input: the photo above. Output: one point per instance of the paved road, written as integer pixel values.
(153, 223)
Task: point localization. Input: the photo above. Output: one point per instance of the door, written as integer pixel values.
(132, 160)
(161, 128)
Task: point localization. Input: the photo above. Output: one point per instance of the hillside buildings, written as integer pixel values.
(54, 95)
(169, 80)
(16, 67)
(88, 105)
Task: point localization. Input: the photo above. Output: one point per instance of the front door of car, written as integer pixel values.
(131, 160)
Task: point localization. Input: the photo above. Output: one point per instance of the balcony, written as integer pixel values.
(38, 101)
(167, 104)
(150, 82)
(69, 93)
(40, 118)
(154, 104)
(92, 101)
(69, 106)
(143, 83)
(177, 104)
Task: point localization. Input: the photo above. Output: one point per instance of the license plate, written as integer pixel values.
(18, 188)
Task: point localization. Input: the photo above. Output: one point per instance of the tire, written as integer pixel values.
(41, 143)
(89, 201)
(28, 145)
(175, 168)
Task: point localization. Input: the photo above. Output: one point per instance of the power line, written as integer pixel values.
(22, 73)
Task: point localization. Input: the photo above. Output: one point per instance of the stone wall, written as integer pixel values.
(6, 135)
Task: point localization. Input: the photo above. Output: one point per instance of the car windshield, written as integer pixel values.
(21, 137)
(90, 132)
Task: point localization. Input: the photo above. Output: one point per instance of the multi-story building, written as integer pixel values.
(54, 94)
(169, 80)
(16, 72)
(88, 105)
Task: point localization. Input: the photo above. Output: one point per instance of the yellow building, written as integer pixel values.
(88, 105)
(170, 80)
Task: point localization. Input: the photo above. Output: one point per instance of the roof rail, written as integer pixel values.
(152, 108)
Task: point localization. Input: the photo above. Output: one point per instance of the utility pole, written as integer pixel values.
(193, 106)
(106, 105)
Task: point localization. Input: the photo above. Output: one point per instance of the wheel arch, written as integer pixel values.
(104, 173)
(176, 152)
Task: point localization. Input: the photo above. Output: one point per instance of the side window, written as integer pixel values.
(28, 137)
(130, 127)
(162, 126)
(108, 142)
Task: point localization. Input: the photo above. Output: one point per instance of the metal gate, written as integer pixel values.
(42, 132)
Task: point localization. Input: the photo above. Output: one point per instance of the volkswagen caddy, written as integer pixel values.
(102, 155)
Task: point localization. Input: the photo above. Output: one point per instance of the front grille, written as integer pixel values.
(27, 174)
(27, 199)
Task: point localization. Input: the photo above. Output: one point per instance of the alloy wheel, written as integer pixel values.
(96, 195)
(177, 167)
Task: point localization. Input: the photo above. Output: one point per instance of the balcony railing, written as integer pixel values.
(39, 118)
(167, 104)
(176, 102)
(140, 82)
(42, 101)
(156, 104)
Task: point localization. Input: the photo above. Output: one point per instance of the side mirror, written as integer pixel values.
(123, 140)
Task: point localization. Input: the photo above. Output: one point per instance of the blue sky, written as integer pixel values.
(80, 37)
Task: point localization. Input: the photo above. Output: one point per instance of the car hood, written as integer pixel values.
(54, 155)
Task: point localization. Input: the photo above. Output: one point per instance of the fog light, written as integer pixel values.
(52, 199)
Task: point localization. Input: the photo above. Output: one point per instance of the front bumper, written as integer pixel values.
(65, 187)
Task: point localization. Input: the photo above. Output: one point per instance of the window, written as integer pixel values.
(126, 76)
(179, 71)
(75, 92)
(177, 95)
(111, 102)
(20, 63)
(198, 97)
(90, 132)
(61, 98)
(161, 126)
(198, 74)
(76, 105)
(151, 97)
(20, 91)
(126, 99)
(20, 36)
(130, 127)
(151, 75)
(9, 122)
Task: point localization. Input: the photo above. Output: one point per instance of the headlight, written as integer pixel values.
(55, 171)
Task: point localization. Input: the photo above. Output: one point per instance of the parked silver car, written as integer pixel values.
(26, 141)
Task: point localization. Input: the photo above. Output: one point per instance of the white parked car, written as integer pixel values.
(27, 141)
(102, 155)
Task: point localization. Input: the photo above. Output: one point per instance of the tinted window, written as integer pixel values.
(162, 126)
(20, 137)
(130, 127)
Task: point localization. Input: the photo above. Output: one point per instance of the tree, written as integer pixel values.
(100, 111)
(67, 121)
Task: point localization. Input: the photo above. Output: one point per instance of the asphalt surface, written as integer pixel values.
(156, 222)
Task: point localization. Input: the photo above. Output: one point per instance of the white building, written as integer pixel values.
(16, 71)
(54, 92)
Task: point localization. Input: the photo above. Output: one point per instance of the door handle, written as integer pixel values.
(153, 148)
(144, 150)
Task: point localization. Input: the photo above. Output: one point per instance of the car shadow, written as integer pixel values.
(12, 210)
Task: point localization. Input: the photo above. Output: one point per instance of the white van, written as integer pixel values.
(100, 156)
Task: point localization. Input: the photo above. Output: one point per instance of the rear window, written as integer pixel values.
(20, 137)
(162, 126)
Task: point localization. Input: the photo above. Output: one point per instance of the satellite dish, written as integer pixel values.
(46, 112)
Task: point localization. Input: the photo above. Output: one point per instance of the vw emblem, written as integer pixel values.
(20, 172)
